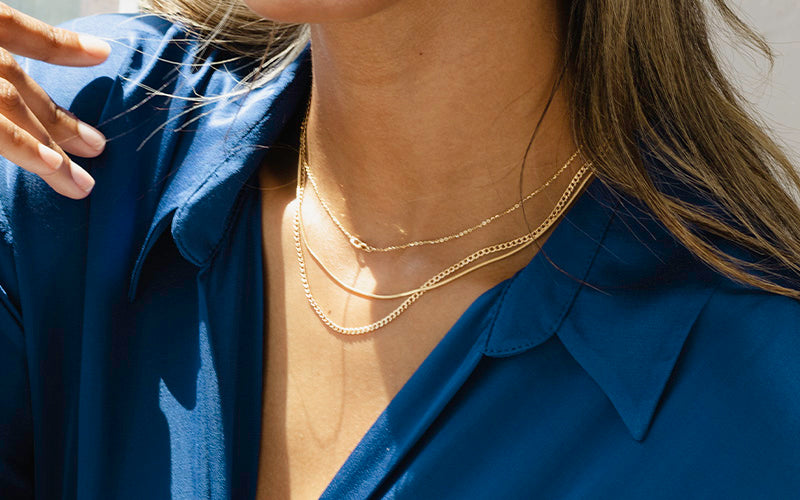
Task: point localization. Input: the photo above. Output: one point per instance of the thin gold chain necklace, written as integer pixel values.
(507, 245)
(574, 187)
(360, 244)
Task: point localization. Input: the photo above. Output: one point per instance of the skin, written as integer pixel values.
(35, 133)
(420, 115)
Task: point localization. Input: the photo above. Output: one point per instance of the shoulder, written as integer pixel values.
(742, 346)
(735, 349)
(116, 96)
(146, 99)
(94, 94)
(743, 355)
(753, 332)
(734, 400)
(183, 140)
(132, 39)
(727, 354)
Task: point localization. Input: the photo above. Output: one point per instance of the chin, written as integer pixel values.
(317, 11)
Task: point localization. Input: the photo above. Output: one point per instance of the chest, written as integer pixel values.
(323, 390)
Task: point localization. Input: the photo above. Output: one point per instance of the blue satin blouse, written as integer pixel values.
(614, 366)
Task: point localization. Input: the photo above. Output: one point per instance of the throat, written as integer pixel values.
(445, 127)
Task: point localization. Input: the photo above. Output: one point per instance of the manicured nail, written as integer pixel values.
(81, 178)
(94, 46)
(51, 158)
(91, 136)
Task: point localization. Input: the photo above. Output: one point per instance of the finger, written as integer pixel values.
(22, 149)
(14, 108)
(29, 37)
(65, 129)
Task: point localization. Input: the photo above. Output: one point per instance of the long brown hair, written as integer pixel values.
(646, 89)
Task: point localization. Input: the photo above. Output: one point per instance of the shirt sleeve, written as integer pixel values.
(16, 425)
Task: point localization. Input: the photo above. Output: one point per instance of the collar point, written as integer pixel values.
(638, 422)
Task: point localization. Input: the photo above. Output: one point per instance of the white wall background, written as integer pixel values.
(58, 11)
(776, 96)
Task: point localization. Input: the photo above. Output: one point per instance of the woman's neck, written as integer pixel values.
(421, 113)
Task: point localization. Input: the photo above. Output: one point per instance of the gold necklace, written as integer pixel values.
(575, 185)
(360, 244)
(522, 240)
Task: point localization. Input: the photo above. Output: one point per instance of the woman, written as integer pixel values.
(268, 298)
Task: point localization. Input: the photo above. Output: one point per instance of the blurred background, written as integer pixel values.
(58, 11)
(776, 96)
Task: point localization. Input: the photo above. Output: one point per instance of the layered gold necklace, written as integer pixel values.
(474, 261)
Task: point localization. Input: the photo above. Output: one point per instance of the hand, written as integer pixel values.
(34, 131)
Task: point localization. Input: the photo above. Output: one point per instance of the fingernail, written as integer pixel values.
(50, 157)
(81, 178)
(94, 45)
(91, 136)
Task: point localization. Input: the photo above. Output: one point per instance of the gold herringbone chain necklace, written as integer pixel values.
(510, 247)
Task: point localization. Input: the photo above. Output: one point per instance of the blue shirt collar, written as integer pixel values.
(619, 292)
(214, 162)
(610, 281)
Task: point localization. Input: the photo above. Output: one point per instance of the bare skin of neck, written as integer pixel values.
(421, 113)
